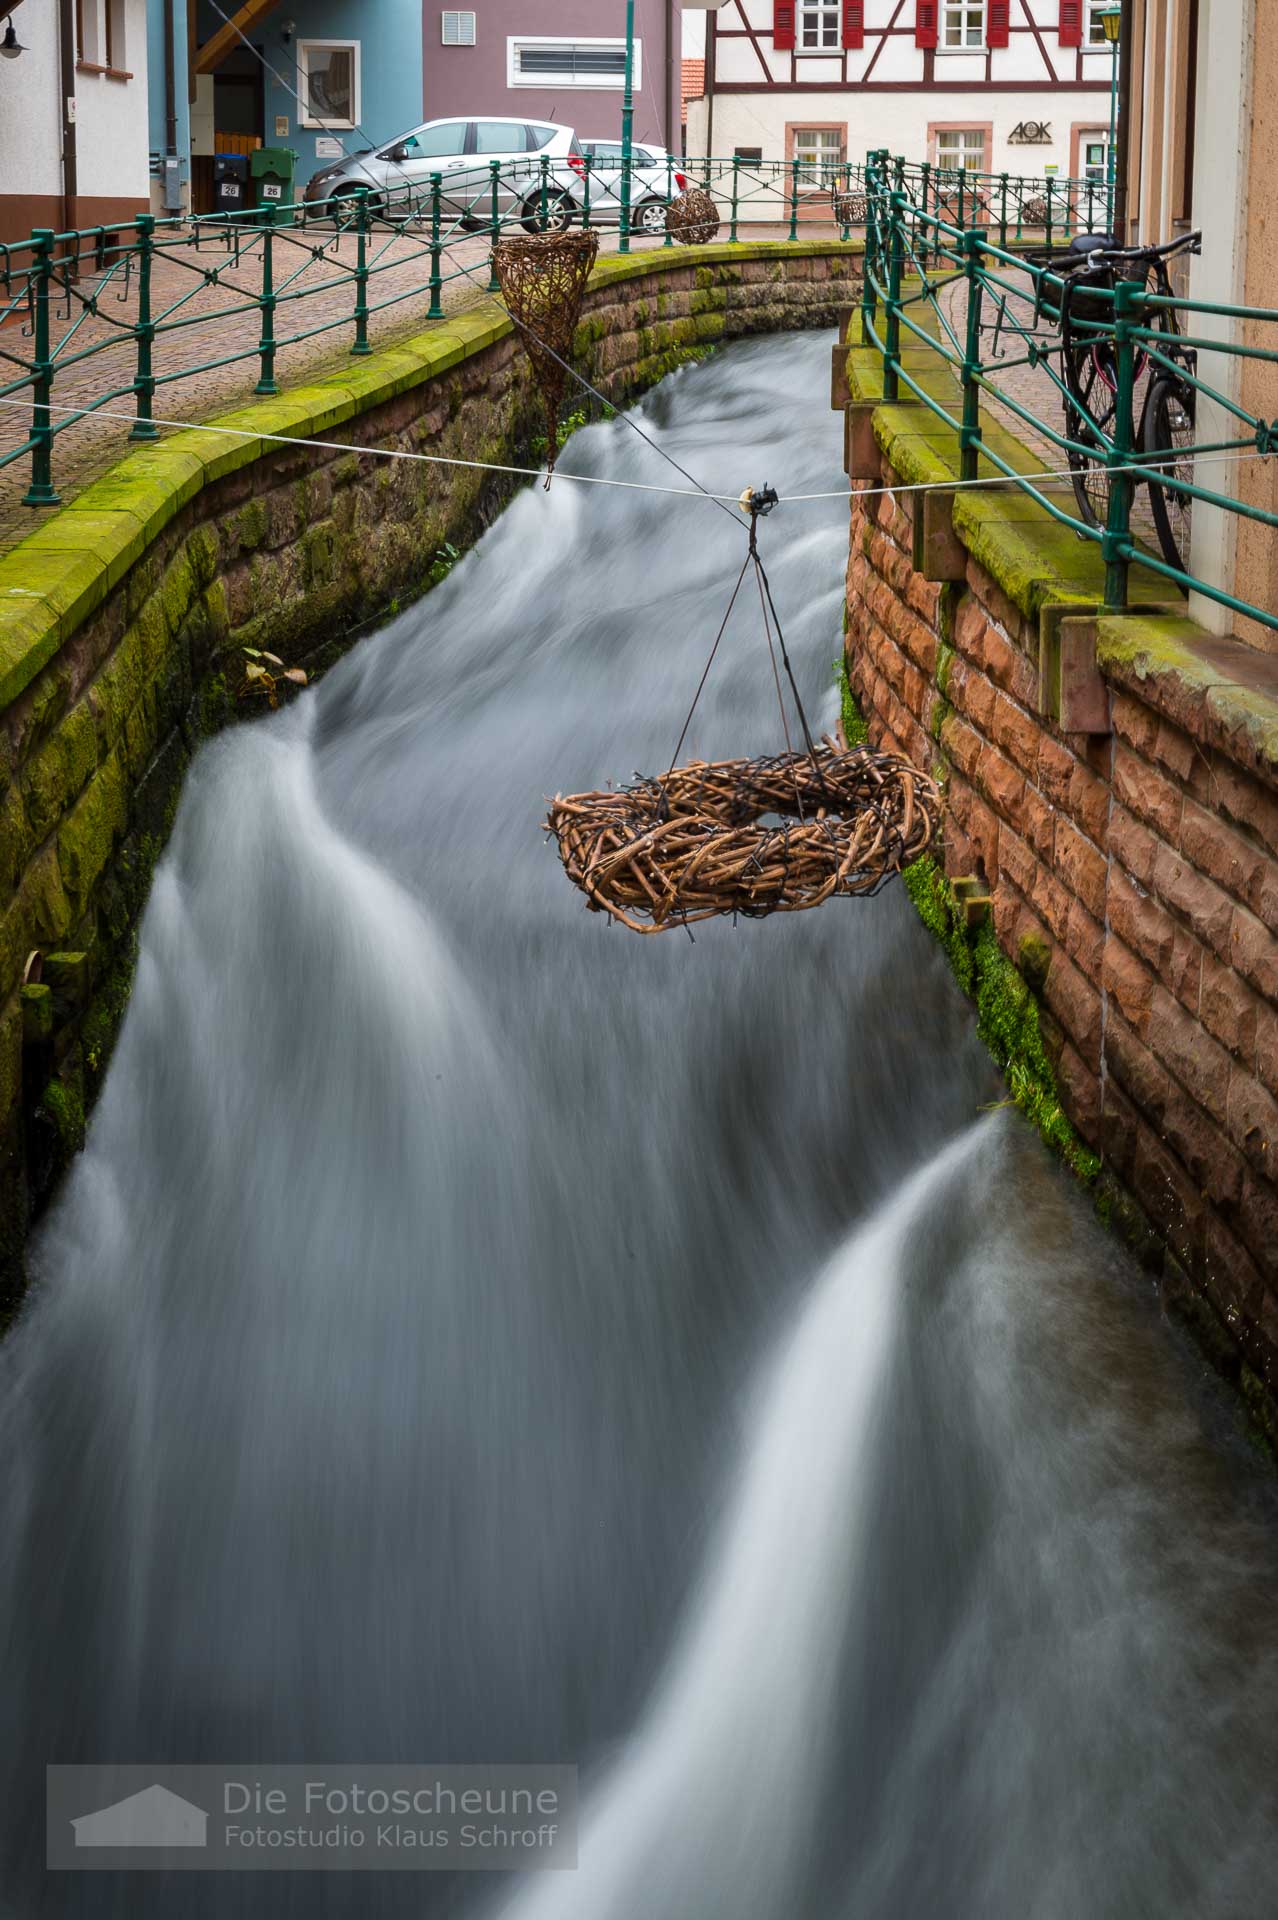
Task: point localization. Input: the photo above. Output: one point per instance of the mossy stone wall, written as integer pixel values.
(1111, 787)
(123, 615)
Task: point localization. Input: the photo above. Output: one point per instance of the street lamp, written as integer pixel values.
(1111, 20)
(11, 46)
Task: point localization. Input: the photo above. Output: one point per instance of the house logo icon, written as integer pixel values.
(152, 1818)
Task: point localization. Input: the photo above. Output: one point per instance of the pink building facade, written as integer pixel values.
(559, 60)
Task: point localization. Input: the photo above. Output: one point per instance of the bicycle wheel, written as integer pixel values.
(1090, 412)
(1167, 438)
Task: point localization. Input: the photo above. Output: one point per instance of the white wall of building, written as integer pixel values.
(882, 95)
(112, 142)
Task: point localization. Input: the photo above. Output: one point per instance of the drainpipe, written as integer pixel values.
(66, 52)
(172, 181)
(668, 135)
(1123, 153)
(711, 24)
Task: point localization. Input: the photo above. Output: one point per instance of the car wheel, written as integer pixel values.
(344, 207)
(559, 212)
(650, 217)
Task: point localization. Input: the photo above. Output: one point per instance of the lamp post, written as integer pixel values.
(627, 126)
(1111, 19)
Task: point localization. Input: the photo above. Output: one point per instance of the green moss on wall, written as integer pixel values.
(855, 731)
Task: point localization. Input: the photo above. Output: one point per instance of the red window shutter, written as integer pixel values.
(1071, 34)
(998, 24)
(854, 23)
(783, 25)
(925, 31)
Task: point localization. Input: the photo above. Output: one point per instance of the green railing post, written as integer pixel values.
(41, 491)
(587, 169)
(733, 234)
(962, 198)
(494, 224)
(436, 309)
(361, 272)
(543, 195)
(925, 181)
(1116, 539)
(1002, 215)
(794, 200)
(668, 241)
(970, 432)
(892, 343)
(266, 305)
(144, 427)
(1048, 228)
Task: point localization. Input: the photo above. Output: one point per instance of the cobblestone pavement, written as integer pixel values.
(210, 282)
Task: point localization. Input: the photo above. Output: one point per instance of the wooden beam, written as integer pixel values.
(227, 38)
(7, 7)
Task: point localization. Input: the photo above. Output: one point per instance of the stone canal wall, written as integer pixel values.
(1112, 815)
(123, 616)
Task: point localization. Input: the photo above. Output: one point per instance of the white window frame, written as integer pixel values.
(812, 177)
(949, 11)
(557, 82)
(458, 13)
(821, 8)
(1089, 136)
(1091, 24)
(961, 134)
(304, 49)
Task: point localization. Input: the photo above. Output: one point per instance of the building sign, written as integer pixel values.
(1031, 133)
(326, 148)
(281, 126)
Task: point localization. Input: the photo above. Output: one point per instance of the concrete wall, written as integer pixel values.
(122, 622)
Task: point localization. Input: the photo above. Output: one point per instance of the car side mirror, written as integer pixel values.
(399, 152)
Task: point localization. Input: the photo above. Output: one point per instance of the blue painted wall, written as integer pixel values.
(390, 37)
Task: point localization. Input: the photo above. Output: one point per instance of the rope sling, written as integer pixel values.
(776, 834)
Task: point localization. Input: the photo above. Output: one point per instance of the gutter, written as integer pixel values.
(66, 62)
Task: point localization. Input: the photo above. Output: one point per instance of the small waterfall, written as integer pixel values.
(711, 1808)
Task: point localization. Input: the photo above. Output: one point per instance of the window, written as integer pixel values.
(961, 148)
(457, 29)
(446, 139)
(1095, 31)
(537, 61)
(501, 136)
(1095, 157)
(962, 24)
(328, 82)
(820, 26)
(113, 52)
(819, 152)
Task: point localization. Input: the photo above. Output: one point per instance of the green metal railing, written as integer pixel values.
(925, 237)
(288, 274)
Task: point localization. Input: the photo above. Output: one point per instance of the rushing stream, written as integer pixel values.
(474, 1333)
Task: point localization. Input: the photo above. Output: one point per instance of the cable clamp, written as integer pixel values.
(758, 501)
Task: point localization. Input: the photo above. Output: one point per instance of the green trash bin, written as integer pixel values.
(273, 170)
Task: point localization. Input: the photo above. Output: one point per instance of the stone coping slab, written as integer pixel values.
(52, 581)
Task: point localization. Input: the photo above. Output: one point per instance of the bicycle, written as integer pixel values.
(1163, 396)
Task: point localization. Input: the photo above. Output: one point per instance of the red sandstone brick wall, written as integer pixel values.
(1147, 861)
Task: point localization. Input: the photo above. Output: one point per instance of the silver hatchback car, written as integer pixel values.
(397, 177)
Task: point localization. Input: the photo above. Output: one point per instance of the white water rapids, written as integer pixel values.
(475, 1335)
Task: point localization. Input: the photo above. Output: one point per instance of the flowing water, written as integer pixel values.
(476, 1334)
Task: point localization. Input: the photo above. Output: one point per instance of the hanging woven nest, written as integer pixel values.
(705, 840)
(542, 279)
(692, 218)
(850, 209)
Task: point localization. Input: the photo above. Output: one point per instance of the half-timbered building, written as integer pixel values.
(1021, 86)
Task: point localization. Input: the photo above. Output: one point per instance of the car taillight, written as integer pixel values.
(681, 181)
(577, 164)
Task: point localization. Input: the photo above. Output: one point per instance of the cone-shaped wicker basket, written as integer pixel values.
(543, 277)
